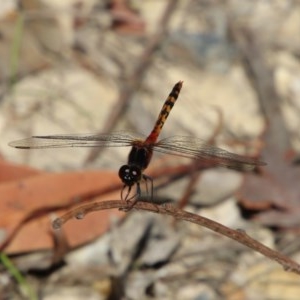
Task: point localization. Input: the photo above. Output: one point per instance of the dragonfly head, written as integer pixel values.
(130, 174)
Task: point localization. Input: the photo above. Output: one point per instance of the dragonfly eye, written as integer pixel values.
(130, 174)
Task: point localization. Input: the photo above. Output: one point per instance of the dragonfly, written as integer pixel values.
(132, 173)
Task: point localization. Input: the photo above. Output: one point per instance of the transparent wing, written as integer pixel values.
(116, 139)
(195, 148)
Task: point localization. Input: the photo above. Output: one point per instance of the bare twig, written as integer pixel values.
(169, 209)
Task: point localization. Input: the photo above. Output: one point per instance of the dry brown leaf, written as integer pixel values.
(10, 171)
(27, 204)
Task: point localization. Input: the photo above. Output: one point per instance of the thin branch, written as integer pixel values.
(169, 209)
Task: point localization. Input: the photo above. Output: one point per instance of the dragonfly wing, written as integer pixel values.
(195, 148)
(116, 139)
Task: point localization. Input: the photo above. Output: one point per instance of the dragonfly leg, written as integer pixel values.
(148, 179)
(128, 190)
(131, 201)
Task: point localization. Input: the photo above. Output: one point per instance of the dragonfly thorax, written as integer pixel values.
(140, 156)
(130, 174)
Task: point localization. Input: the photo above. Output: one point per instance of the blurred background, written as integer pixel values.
(99, 66)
